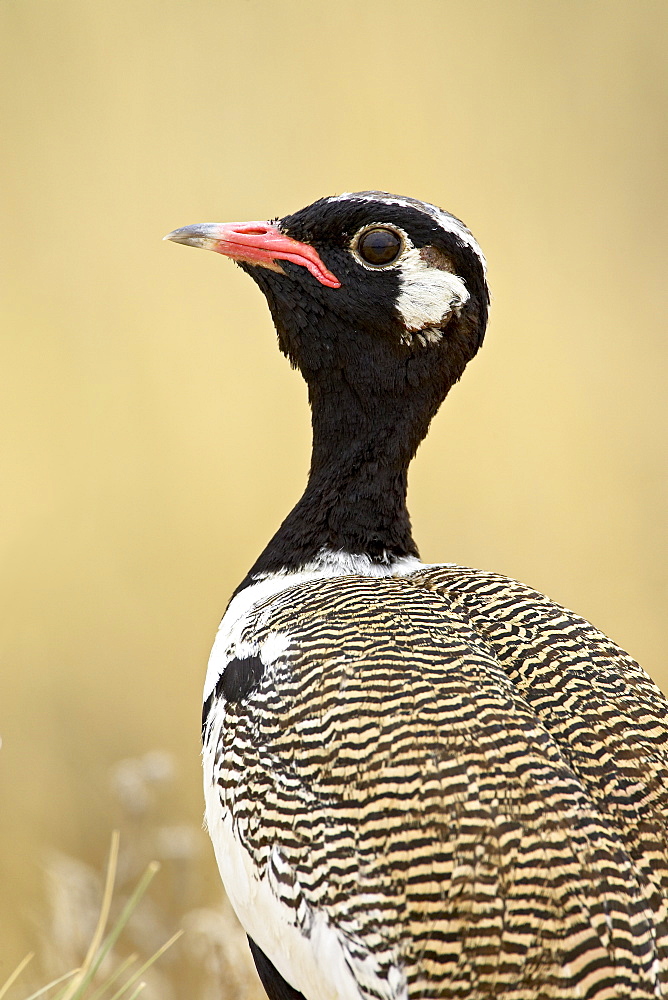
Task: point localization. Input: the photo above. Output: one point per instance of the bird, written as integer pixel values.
(422, 780)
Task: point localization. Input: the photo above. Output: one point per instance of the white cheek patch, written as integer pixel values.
(427, 294)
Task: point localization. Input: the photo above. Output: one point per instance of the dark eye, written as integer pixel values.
(379, 246)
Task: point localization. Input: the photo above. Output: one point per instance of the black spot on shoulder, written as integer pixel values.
(236, 682)
(206, 708)
(239, 678)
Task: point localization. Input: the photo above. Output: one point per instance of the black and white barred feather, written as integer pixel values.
(448, 786)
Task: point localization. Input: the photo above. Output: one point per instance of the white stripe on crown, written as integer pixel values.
(450, 223)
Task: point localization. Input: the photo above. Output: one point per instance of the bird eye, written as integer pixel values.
(379, 246)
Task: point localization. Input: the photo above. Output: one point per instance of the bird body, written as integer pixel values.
(421, 781)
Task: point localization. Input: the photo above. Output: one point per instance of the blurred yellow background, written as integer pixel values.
(152, 438)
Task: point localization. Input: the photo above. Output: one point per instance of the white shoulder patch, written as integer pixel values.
(229, 641)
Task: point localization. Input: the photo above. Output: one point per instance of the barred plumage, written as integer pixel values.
(434, 762)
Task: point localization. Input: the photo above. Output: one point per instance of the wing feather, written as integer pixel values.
(402, 778)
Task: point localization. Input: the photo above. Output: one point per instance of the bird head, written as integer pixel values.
(382, 293)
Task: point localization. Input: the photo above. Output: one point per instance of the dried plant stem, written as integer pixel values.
(54, 982)
(84, 973)
(137, 991)
(142, 968)
(16, 973)
(109, 942)
(130, 960)
(80, 983)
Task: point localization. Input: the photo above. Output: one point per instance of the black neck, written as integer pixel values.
(355, 499)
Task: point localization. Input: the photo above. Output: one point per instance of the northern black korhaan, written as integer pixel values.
(422, 781)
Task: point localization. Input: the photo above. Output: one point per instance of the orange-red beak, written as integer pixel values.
(255, 243)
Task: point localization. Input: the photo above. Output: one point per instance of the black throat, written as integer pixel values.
(373, 392)
(355, 498)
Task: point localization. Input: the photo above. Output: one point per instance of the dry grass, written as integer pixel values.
(107, 937)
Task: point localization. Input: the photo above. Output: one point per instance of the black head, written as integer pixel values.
(412, 302)
(409, 285)
(377, 298)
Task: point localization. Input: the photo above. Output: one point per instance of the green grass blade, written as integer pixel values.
(115, 932)
(54, 982)
(130, 960)
(137, 991)
(83, 974)
(142, 969)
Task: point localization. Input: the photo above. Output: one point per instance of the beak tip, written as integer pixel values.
(201, 235)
